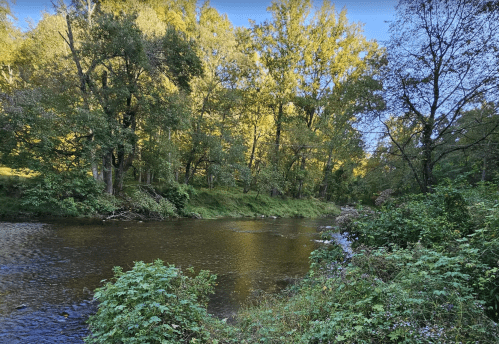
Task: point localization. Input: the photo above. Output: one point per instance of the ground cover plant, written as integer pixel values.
(456, 220)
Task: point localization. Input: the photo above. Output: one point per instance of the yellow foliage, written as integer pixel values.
(149, 23)
(361, 169)
(9, 172)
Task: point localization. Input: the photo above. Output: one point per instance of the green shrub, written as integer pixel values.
(176, 194)
(152, 303)
(429, 219)
(413, 295)
(453, 219)
(425, 298)
(485, 241)
(145, 200)
(63, 194)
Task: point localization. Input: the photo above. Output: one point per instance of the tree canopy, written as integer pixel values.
(160, 91)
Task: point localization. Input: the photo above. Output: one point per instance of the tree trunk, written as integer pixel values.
(119, 170)
(484, 169)
(95, 171)
(300, 181)
(327, 173)
(280, 113)
(427, 164)
(252, 156)
(253, 148)
(187, 171)
(95, 167)
(107, 171)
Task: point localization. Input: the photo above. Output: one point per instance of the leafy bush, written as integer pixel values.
(64, 194)
(429, 219)
(176, 194)
(152, 303)
(413, 295)
(145, 200)
(485, 241)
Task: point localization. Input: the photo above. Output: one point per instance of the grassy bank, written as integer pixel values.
(234, 203)
(78, 195)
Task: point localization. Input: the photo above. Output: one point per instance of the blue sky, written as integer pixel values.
(373, 14)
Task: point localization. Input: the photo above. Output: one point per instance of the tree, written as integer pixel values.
(9, 39)
(92, 82)
(309, 59)
(42, 129)
(123, 69)
(212, 141)
(336, 55)
(442, 61)
(279, 43)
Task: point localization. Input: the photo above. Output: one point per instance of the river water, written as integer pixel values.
(48, 271)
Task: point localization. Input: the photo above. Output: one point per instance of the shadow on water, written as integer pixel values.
(47, 272)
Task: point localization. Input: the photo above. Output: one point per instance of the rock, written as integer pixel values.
(383, 197)
(196, 216)
(327, 242)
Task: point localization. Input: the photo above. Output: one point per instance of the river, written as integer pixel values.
(48, 271)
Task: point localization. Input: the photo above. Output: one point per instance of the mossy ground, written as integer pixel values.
(232, 202)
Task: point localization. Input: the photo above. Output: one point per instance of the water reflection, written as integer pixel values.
(52, 269)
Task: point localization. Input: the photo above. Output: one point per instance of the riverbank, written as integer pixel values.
(23, 201)
(423, 269)
(210, 204)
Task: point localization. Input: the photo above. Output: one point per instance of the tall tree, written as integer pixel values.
(92, 81)
(120, 73)
(442, 61)
(280, 43)
(10, 38)
(336, 53)
(212, 141)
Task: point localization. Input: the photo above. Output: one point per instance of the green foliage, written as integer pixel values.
(152, 303)
(461, 221)
(175, 193)
(232, 202)
(64, 194)
(144, 200)
(10, 192)
(413, 295)
(432, 218)
(270, 179)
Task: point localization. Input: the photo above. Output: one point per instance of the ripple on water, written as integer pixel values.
(23, 270)
(49, 324)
